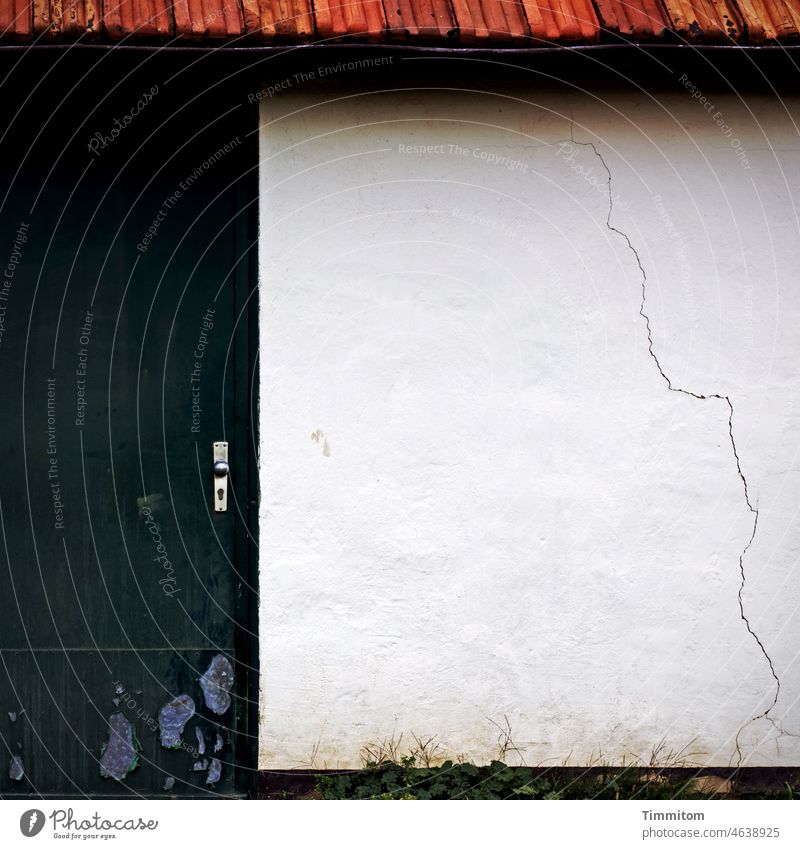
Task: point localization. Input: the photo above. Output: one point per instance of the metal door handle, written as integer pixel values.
(221, 470)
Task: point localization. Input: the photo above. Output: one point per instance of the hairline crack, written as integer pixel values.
(700, 397)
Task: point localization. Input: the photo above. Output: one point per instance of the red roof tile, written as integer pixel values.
(467, 22)
(363, 19)
(63, 18)
(705, 20)
(420, 19)
(562, 20)
(208, 19)
(489, 20)
(771, 19)
(633, 19)
(125, 18)
(287, 20)
(16, 19)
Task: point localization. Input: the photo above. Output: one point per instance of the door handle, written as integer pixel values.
(221, 470)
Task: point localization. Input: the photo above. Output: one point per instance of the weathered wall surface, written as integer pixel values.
(483, 509)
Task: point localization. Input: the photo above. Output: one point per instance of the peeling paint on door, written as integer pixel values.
(216, 683)
(172, 719)
(120, 755)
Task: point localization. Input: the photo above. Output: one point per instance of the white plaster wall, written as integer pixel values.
(481, 506)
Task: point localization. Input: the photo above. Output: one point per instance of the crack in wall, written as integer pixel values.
(710, 396)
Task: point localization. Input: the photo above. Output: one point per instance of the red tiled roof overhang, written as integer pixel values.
(456, 22)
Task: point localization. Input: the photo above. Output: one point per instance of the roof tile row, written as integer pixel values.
(468, 22)
(638, 20)
(771, 19)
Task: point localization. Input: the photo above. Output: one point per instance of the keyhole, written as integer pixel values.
(219, 494)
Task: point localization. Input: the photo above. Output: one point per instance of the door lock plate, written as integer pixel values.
(221, 470)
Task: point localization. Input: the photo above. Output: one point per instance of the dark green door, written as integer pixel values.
(127, 304)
